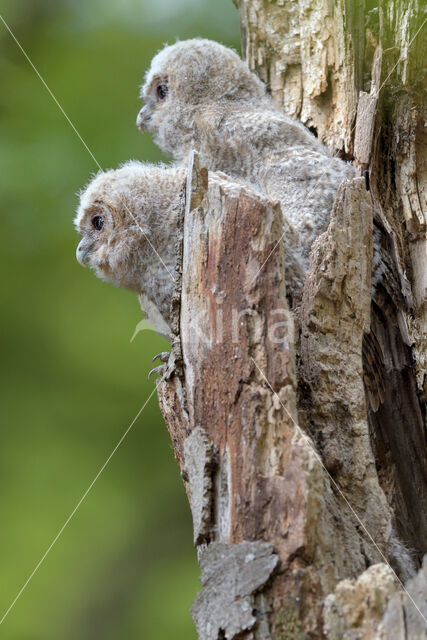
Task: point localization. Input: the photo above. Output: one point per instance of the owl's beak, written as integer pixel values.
(82, 253)
(143, 119)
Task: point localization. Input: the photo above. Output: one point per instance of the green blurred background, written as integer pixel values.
(71, 379)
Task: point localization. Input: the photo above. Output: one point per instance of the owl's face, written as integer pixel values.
(167, 113)
(95, 223)
(111, 241)
(159, 100)
(184, 79)
(105, 246)
(127, 221)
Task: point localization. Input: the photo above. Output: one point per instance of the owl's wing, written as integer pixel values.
(264, 128)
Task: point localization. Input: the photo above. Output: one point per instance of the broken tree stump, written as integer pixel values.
(253, 476)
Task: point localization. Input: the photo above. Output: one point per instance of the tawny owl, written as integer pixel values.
(200, 95)
(127, 220)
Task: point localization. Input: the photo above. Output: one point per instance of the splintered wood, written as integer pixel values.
(251, 473)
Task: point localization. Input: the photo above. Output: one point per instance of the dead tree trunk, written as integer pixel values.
(296, 471)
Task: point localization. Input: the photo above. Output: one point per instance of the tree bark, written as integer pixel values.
(316, 58)
(290, 451)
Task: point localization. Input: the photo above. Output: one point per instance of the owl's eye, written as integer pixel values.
(98, 222)
(162, 92)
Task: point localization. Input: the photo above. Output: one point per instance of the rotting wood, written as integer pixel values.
(309, 54)
(257, 475)
(231, 576)
(334, 316)
(318, 58)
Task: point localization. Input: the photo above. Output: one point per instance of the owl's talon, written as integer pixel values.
(163, 356)
(159, 370)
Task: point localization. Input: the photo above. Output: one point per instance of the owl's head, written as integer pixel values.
(119, 217)
(187, 76)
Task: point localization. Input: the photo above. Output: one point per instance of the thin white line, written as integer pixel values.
(147, 238)
(342, 494)
(52, 95)
(36, 568)
(353, 128)
(80, 137)
(400, 59)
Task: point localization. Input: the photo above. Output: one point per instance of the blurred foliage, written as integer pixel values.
(72, 381)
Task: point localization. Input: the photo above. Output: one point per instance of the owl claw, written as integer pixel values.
(163, 356)
(161, 369)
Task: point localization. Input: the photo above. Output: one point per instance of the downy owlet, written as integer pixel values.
(200, 95)
(127, 220)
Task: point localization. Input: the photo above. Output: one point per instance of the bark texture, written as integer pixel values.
(317, 57)
(251, 473)
(334, 315)
(300, 435)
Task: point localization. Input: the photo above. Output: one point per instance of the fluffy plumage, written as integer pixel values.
(128, 222)
(200, 95)
(137, 206)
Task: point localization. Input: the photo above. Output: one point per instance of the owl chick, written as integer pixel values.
(200, 95)
(127, 220)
